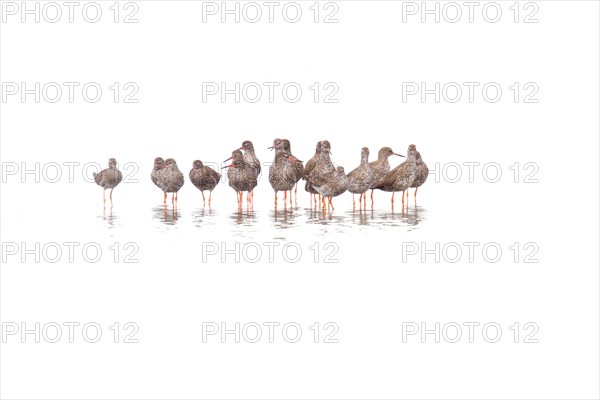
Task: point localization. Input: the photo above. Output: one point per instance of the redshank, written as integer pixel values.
(310, 165)
(381, 167)
(422, 173)
(252, 162)
(361, 178)
(250, 157)
(323, 164)
(402, 177)
(283, 173)
(330, 184)
(241, 177)
(171, 179)
(108, 178)
(284, 145)
(204, 178)
(157, 171)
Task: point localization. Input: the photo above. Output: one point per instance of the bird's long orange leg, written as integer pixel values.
(104, 197)
(402, 200)
(111, 196)
(203, 199)
(209, 198)
(296, 192)
(354, 202)
(291, 199)
(416, 195)
(284, 198)
(365, 200)
(275, 199)
(165, 199)
(372, 201)
(331, 203)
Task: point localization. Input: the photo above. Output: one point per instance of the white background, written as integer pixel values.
(374, 287)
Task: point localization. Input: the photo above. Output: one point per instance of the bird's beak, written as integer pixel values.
(227, 166)
(396, 154)
(270, 148)
(228, 159)
(241, 148)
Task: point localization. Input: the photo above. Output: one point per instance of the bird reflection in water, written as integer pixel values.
(361, 216)
(246, 218)
(410, 216)
(108, 216)
(284, 218)
(166, 215)
(203, 217)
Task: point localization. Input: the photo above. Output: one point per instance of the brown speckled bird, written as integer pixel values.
(241, 177)
(323, 165)
(422, 174)
(310, 165)
(108, 178)
(171, 179)
(250, 157)
(381, 167)
(282, 174)
(204, 178)
(284, 145)
(361, 178)
(330, 184)
(402, 177)
(157, 171)
(251, 162)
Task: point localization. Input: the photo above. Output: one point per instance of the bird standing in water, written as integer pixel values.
(157, 171)
(380, 168)
(402, 177)
(284, 145)
(171, 180)
(422, 174)
(330, 185)
(283, 174)
(323, 166)
(361, 178)
(108, 178)
(241, 177)
(204, 178)
(251, 162)
(310, 165)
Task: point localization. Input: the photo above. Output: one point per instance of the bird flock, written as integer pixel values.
(324, 180)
